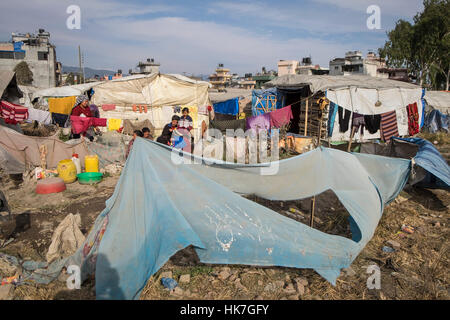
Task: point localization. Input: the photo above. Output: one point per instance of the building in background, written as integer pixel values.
(247, 82)
(37, 52)
(221, 79)
(355, 64)
(306, 67)
(263, 77)
(287, 67)
(146, 67)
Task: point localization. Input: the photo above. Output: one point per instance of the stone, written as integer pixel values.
(290, 290)
(258, 298)
(303, 281)
(185, 278)
(239, 285)
(349, 271)
(6, 291)
(166, 274)
(394, 244)
(260, 282)
(178, 291)
(288, 278)
(437, 225)
(300, 289)
(233, 277)
(224, 275)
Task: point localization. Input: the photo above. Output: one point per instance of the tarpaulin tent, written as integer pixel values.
(438, 100)
(167, 207)
(265, 100)
(159, 92)
(9, 89)
(360, 94)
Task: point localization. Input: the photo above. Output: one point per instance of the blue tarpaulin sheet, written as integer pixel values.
(160, 207)
(436, 121)
(230, 107)
(429, 158)
(259, 96)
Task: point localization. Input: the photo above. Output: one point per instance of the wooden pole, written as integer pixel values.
(313, 206)
(306, 117)
(351, 139)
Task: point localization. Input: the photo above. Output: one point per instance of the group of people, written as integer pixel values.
(176, 133)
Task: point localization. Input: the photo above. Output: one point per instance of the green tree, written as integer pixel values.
(23, 73)
(423, 47)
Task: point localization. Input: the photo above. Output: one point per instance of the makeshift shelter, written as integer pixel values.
(156, 97)
(438, 100)
(363, 95)
(224, 227)
(9, 90)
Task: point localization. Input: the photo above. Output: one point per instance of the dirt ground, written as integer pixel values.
(416, 270)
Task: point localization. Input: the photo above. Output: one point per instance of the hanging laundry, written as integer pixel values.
(13, 113)
(281, 117)
(372, 123)
(61, 105)
(358, 122)
(413, 119)
(41, 116)
(227, 124)
(108, 107)
(261, 122)
(344, 119)
(389, 126)
(227, 107)
(331, 117)
(60, 119)
(114, 124)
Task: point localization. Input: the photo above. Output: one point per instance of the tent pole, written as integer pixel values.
(351, 139)
(313, 207)
(306, 117)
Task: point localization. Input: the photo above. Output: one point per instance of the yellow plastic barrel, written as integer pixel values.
(67, 171)
(91, 163)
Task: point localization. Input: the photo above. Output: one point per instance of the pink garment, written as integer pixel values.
(82, 124)
(281, 117)
(108, 107)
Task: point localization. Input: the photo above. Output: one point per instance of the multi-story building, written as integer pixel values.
(37, 52)
(287, 67)
(146, 67)
(221, 79)
(354, 64)
(263, 77)
(307, 68)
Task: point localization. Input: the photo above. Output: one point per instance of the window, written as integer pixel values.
(19, 55)
(42, 55)
(6, 54)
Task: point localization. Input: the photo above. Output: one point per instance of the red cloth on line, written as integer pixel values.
(13, 113)
(82, 124)
(281, 117)
(108, 107)
(79, 110)
(413, 119)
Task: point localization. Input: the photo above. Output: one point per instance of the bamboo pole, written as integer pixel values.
(306, 117)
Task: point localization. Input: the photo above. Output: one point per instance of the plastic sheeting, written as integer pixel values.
(436, 121)
(431, 160)
(159, 208)
(259, 99)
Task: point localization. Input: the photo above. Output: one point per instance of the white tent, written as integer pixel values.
(439, 100)
(159, 92)
(65, 91)
(359, 94)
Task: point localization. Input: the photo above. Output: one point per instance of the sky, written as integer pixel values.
(193, 36)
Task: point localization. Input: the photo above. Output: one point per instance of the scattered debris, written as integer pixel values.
(169, 283)
(393, 244)
(66, 239)
(388, 249)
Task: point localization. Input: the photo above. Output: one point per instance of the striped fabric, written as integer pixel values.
(389, 126)
(13, 113)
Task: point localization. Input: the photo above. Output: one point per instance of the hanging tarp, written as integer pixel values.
(436, 121)
(167, 207)
(230, 107)
(438, 100)
(265, 100)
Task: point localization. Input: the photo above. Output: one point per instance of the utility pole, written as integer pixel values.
(79, 61)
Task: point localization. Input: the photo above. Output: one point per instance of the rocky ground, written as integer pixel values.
(416, 269)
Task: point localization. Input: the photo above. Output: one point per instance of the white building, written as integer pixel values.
(354, 64)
